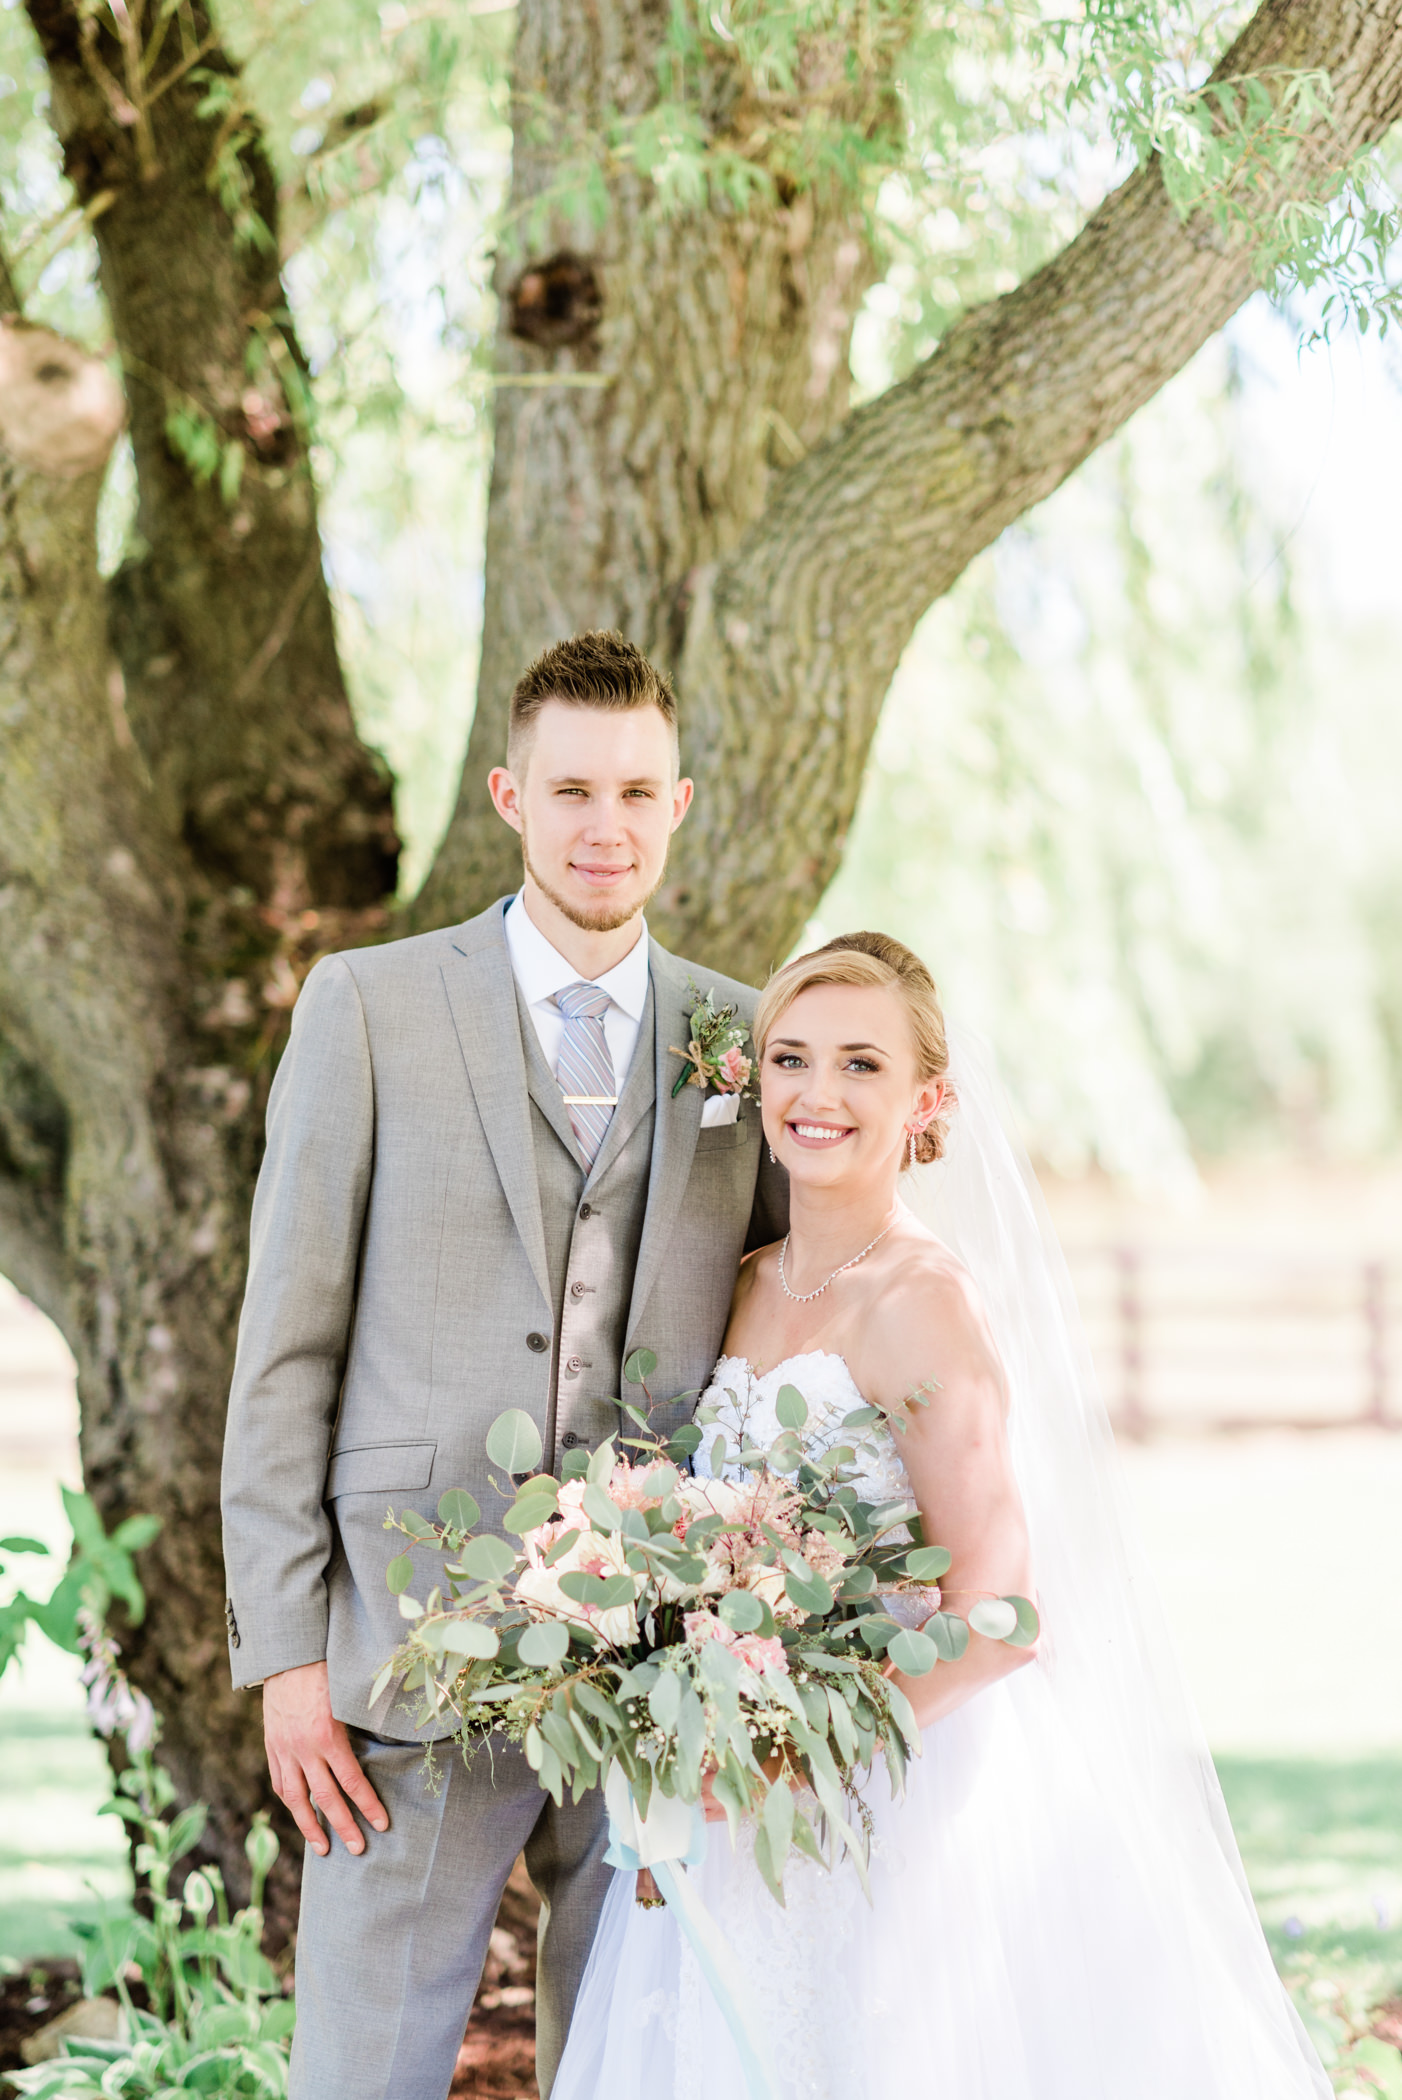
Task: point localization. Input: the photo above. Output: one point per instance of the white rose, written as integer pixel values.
(593, 1553)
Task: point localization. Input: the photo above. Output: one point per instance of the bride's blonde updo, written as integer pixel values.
(871, 959)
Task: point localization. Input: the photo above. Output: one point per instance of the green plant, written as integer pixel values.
(100, 1567)
(216, 2020)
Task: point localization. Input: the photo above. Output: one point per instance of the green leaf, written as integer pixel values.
(949, 1634)
(741, 1610)
(488, 1558)
(574, 1465)
(785, 1454)
(994, 1618)
(807, 1590)
(187, 1829)
(399, 1574)
(790, 1408)
(691, 1743)
(513, 1442)
(545, 1643)
(684, 1441)
(23, 1545)
(861, 1417)
(914, 1653)
(529, 1512)
(927, 1563)
(639, 1367)
(458, 1510)
(1029, 1625)
(469, 1637)
(665, 1699)
(600, 1508)
(601, 1464)
(419, 1527)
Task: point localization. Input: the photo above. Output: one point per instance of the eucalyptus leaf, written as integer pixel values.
(529, 1512)
(790, 1407)
(664, 1700)
(927, 1563)
(601, 1509)
(914, 1653)
(487, 1559)
(469, 1637)
(994, 1617)
(741, 1611)
(684, 1441)
(639, 1367)
(547, 1642)
(457, 1509)
(1029, 1625)
(399, 1574)
(513, 1442)
(949, 1634)
(785, 1454)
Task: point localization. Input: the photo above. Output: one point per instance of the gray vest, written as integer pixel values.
(591, 1271)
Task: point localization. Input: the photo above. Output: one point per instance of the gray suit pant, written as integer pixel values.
(391, 1945)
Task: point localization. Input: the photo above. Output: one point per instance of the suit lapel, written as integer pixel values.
(675, 1132)
(541, 1083)
(481, 990)
(635, 1098)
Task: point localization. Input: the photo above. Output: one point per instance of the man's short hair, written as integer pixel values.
(594, 669)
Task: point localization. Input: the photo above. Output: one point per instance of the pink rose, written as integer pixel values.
(762, 1654)
(734, 1070)
(703, 1626)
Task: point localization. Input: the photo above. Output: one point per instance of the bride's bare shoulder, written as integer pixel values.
(929, 1325)
(752, 1270)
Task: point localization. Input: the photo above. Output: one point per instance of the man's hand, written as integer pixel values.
(311, 1760)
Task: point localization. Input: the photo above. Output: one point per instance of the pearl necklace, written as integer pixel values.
(806, 1297)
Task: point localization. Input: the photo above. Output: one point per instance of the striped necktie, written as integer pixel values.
(585, 1069)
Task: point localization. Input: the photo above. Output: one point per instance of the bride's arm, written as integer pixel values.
(931, 1337)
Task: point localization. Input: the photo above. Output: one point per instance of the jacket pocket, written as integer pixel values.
(377, 1469)
(722, 1137)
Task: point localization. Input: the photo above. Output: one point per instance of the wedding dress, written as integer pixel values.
(1057, 1909)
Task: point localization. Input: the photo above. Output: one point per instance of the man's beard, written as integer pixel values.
(606, 917)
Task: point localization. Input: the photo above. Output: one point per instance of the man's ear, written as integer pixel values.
(506, 796)
(681, 800)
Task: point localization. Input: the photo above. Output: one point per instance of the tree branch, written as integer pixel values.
(794, 640)
(234, 688)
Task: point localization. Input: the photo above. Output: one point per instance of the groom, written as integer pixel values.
(480, 1192)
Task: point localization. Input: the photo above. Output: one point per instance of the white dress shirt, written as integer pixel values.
(541, 971)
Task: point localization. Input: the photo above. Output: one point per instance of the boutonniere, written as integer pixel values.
(715, 1056)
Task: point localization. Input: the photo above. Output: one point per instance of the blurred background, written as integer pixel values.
(1136, 797)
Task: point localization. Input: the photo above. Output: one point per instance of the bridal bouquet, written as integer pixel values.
(658, 1628)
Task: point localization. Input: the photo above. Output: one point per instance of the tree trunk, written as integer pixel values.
(186, 815)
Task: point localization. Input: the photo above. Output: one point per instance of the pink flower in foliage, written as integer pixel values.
(762, 1654)
(734, 1071)
(703, 1626)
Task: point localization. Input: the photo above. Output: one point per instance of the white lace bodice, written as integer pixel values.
(745, 1402)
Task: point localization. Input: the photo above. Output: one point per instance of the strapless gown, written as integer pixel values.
(1007, 1952)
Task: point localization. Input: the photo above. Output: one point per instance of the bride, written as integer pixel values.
(1057, 1909)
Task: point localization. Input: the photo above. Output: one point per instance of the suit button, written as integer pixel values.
(571, 1442)
(586, 1210)
(577, 1290)
(538, 1342)
(575, 1364)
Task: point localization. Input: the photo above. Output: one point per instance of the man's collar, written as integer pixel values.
(541, 970)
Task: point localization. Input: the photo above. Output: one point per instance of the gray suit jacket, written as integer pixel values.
(399, 1292)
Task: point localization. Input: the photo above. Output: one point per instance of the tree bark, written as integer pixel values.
(785, 639)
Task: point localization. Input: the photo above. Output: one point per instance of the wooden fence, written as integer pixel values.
(1229, 1339)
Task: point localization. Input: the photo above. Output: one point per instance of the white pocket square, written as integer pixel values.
(718, 1110)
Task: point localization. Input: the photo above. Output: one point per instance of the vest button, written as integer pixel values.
(538, 1342)
(571, 1442)
(577, 1290)
(575, 1365)
(586, 1210)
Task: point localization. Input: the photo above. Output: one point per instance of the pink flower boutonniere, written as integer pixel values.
(715, 1055)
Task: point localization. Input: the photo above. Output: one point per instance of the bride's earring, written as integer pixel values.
(912, 1144)
(772, 1160)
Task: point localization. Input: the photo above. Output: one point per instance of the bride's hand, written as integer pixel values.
(711, 1808)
